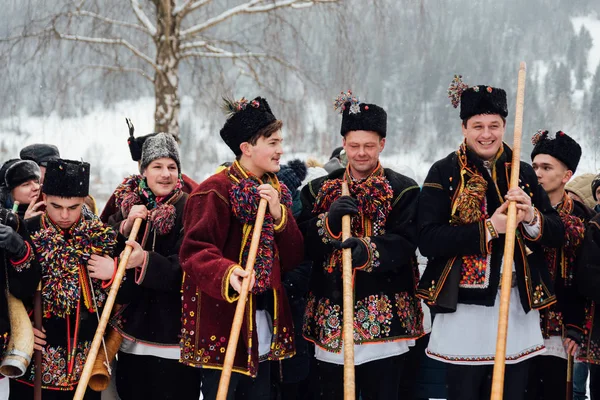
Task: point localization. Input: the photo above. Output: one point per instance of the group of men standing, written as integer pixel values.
(183, 278)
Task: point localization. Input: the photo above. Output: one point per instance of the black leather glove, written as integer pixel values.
(360, 252)
(345, 205)
(12, 242)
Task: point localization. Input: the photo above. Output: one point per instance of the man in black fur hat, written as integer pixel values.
(76, 253)
(382, 205)
(462, 224)
(554, 161)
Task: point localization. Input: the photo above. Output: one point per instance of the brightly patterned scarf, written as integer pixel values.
(373, 196)
(64, 256)
(134, 190)
(244, 199)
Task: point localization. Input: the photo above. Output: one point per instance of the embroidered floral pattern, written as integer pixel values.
(372, 317)
(475, 271)
(410, 313)
(54, 366)
(328, 324)
(590, 346)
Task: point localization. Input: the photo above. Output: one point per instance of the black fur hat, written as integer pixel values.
(67, 178)
(562, 147)
(158, 146)
(40, 153)
(476, 100)
(15, 172)
(244, 120)
(357, 116)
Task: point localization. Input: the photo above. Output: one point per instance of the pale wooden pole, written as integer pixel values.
(348, 307)
(108, 306)
(509, 246)
(238, 317)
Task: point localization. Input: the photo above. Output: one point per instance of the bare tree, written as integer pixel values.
(152, 38)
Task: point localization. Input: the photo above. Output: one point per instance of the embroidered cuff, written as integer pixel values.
(140, 272)
(281, 226)
(534, 230)
(25, 262)
(227, 291)
(372, 259)
(121, 225)
(324, 232)
(107, 284)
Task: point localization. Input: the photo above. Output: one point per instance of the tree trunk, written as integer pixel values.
(166, 81)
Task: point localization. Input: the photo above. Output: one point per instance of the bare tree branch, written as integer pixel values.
(225, 54)
(118, 42)
(193, 45)
(84, 13)
(119, 68)
(142, 17)
(189, 6)
(251, 7)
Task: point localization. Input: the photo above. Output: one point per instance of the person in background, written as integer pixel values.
(20, 182)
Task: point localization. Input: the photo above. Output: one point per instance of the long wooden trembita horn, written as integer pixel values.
(348, 307)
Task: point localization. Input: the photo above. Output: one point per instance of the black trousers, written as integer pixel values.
(375, 380)
(241, 387)
(474, 382)
(547, 378)
(149, 377)
(594, 382)
(20, 391)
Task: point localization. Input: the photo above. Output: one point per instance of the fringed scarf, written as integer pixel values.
(134, 190)
(244, 199)
(373, 196)
(64, 258)
(574, 233)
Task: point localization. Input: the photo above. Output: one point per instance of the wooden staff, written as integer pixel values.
(37, 322)
(240, 307)
(110, 301)
(569, 395)
(348, 307)
(509, 246)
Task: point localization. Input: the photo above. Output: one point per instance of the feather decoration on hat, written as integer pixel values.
(539, 135)
(348, 97)
(456, 89)
(230, 106)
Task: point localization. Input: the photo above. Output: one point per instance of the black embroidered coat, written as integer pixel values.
(60, 337)
(447, 245)
(151, 294)
(567, 316)
(588, 283)
(385, 305)
(23, 277)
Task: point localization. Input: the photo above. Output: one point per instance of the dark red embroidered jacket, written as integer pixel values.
(209, 252)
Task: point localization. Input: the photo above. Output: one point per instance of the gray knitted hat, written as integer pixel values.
(159, 146)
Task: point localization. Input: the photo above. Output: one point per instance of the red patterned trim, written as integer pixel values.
(140, 272)
(25, 258)
(107, 284)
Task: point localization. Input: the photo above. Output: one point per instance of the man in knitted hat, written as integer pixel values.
(554, 161)
(382, 204)
(136, 145)
(149, 357)
(596, 192)
(72, 251)
(218, 225)
(462, 225)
